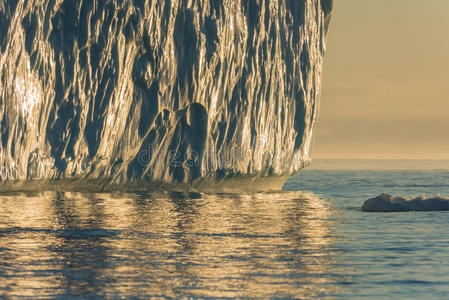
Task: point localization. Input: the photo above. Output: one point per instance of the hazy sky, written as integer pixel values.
(386, 81)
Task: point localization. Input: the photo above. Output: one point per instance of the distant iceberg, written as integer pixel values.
(389, 203)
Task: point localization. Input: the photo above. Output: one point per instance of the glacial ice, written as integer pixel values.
(183, 91)
(389, 203)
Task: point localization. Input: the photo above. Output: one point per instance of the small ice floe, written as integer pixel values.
(389, 203)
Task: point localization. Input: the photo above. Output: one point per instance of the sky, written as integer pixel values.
(385, 92)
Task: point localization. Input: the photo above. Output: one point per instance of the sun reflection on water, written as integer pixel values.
(166, 244)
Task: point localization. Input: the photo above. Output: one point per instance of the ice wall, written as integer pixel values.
(158, 91)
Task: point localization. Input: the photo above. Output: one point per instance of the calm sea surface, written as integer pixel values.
(309, 241)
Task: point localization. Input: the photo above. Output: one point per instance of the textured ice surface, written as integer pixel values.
(389, 203)
(158, 91)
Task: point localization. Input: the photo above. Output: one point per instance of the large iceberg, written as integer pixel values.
(156, 92)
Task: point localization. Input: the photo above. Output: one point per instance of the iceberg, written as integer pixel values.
(157, 93)
(389, 203)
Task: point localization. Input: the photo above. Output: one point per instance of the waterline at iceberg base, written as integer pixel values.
(148, 94)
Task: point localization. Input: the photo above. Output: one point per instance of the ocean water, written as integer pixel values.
(309, 241)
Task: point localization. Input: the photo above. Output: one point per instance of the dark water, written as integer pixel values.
(312, 244)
